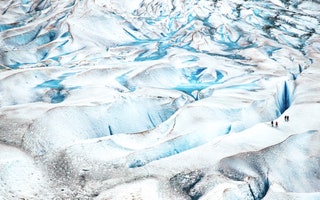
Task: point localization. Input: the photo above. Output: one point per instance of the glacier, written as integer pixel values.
(158, 99)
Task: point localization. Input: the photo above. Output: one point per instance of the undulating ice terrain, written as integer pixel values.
(159, 99)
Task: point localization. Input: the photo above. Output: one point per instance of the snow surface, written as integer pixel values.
(155, 99)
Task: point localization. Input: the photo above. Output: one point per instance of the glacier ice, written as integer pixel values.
(154, 99)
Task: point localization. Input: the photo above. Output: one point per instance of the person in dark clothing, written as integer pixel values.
(286, 118)
(272, 123)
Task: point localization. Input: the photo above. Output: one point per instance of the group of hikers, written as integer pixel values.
(286, 119)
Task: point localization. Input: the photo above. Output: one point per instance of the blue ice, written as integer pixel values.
(160, 53)
(4, 27)
(193, 75)
(170, 148)
(53, 84)
(65, 34)
(270, 50)
(58, 97)
(285, 98)
(190, 88)
(25, 1)
(24, 38)
(45, 38)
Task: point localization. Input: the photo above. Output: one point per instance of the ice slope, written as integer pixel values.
(155, 99)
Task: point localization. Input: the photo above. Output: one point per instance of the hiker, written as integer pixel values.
(272, 123)
(286, 118)
(276, 124)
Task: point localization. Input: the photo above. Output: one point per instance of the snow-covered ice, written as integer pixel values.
(155, 99)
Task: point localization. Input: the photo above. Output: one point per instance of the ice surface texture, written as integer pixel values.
(153, 99)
